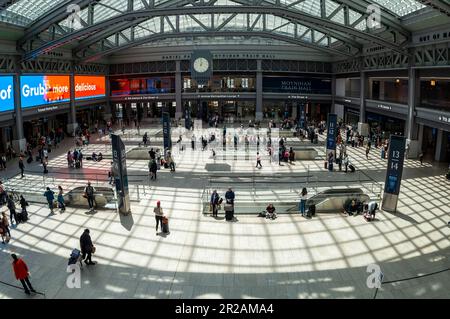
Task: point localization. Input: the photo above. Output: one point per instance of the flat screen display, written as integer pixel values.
(89, 87)
(6, 93)
(38, 90)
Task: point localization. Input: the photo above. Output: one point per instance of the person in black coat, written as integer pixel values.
(86, 247)
(229, 196)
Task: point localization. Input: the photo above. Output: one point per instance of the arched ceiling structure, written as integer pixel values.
(96, 28)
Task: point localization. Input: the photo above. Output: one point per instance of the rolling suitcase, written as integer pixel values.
(229, 212)
(29, 160)
(311, 211)
(326, 165)
(352, 168)
(165, 225)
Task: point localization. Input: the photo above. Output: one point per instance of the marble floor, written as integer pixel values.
(205, 257)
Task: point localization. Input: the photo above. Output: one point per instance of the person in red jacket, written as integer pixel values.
(21, 273)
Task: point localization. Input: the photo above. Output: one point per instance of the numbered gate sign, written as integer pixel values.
(394, 172)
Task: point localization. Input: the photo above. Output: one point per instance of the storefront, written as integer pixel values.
(385, 125)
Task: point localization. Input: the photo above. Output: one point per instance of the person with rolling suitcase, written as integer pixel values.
(159, 214)
(229, 206)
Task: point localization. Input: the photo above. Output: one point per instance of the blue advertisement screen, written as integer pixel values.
(6, 93)
(38, 90)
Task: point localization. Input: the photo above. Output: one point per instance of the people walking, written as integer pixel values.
(421, 158)
(145, 139)
(21, 166)
(302, 204)
(258, 160)
(21, 272)
(50, 195)
(367, 151)
(89, 192)
(346, 162)
(153, 168)
(44, 165)
(158, 215)
(12, 209)
(87, 247)
(4, 228)
(61, 203)
(2, 194)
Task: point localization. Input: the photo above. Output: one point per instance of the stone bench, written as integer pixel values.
(305, 154)
(103, 197)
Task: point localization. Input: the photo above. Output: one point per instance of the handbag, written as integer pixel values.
(93, 249)
(85, 195)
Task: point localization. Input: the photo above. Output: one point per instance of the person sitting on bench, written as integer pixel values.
(370, 210)
(99, 157)
(94, 157)
(271, 212)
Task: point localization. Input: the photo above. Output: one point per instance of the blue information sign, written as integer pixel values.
(301, 115)
(166, 131)
(331, 135)
(396, 158)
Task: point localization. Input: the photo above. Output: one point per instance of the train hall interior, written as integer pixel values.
(225, 149)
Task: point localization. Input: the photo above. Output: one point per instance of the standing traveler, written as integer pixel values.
(230, 196)
(24, 213)
(87, 247)
(21, 166)
(214, 203)
(50, 195)
(303, 198)
(158, 215)
(61, 203)
(21, 272)
(89, 192)
(12, 209)
(367, 151)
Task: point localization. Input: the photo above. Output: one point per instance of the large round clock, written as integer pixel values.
(201, 65)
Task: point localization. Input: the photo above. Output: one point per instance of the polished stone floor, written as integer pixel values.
(206, 257)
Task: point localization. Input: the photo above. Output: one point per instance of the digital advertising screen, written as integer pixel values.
(137, 86)
(6, 93)
(89, 87)
(38, 90)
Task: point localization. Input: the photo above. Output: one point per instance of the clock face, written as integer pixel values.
(201, 65)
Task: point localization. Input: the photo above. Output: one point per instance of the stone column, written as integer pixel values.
(363, 127)
(19, 143)
(259, 91)
(178, 91)
(411, 128)
(72, 126)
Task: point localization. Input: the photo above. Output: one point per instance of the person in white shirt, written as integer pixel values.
(158, 215)
(303, 197)
(258, 160)
(370, 210)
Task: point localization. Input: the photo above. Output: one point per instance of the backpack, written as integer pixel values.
(89, 190)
